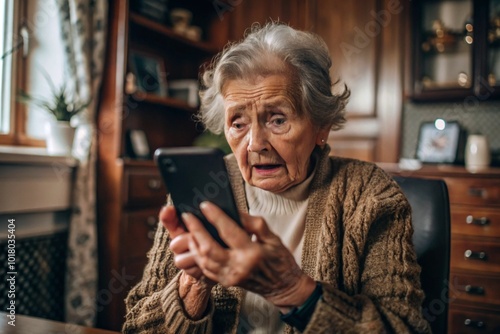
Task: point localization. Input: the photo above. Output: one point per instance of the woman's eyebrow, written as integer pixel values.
(237, 107)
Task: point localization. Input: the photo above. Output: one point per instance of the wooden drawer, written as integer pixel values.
(481, 222)
(475, 254)
(474, 191)
(138, 233)
(464, 321)
(476, 288)
(143, 187)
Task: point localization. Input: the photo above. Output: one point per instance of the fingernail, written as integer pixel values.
(204, 205)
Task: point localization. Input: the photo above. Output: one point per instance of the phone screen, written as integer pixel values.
(196, 174)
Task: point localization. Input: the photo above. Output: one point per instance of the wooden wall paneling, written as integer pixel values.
(246, 13)
(342, 24)
(390, 79)
(364, 42)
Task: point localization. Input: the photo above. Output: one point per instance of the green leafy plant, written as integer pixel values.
(58, 104)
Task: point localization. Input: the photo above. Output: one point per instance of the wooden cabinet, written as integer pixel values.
(130, 191)
(455, 49)
(475, 246)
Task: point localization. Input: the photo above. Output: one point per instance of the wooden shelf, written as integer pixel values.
(170, 33)
(163, 101)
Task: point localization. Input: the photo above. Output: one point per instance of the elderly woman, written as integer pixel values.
(326, 242)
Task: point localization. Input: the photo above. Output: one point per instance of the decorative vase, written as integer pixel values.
(60, 137)
(477, 153)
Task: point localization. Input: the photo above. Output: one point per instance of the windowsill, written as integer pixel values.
(33, 155)
(33, 181)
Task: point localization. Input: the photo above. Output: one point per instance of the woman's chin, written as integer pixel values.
(272, 185)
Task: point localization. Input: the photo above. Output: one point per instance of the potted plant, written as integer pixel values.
(59, 132)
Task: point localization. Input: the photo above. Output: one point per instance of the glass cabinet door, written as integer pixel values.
(493, 44)
(446, 39)
(456, 49)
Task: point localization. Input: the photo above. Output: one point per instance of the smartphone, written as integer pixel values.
(196, 174)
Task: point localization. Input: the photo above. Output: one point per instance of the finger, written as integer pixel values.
(232, 234)
(179, 244)
(185, 260)
(205, 243)
(194, 272)
(201, 261)
(256, 226)
(201, 242)
(169, 219)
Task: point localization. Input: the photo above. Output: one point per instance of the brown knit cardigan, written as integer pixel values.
(357, 243)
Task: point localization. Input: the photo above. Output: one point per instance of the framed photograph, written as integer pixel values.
(137, 144)
(185, 90)
(441, 142)
(149, 71)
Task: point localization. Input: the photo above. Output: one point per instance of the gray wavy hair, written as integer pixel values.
(306, 54)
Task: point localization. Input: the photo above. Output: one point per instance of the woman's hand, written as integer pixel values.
(262, 265)
(194, 288)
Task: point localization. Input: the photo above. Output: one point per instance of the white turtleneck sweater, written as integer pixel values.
(285, 214)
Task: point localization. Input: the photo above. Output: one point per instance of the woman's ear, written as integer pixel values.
(322, 136)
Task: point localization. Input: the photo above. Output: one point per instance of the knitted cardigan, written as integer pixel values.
(357, 243)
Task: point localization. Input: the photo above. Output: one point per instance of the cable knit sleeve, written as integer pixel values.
(378, 290)
(153, 305)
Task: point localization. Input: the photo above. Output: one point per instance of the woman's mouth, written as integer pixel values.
(267, 169)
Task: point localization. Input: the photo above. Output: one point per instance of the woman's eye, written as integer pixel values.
(237, 125)
(278, 121)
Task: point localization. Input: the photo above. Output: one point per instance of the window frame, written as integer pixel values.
(17, 131)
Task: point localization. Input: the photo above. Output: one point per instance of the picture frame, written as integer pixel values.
(137, 144)
(149, 71)
(441, 144)
(185, 90)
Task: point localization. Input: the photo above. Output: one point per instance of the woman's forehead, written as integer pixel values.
(268, 91)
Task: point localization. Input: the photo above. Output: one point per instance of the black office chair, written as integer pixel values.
(431, 237)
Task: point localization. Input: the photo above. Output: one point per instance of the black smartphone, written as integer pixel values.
(196, 174)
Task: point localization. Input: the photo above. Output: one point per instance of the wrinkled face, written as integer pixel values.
(271, 141)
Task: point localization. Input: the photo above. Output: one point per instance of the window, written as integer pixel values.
(21, 22)
(6, 65)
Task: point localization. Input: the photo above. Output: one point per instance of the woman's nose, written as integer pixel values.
(257, 140)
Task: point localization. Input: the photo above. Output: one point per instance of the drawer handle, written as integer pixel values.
(475, 255)
(154, 184)
(474, 323)
(474, 290)
(477, 192)
(151, 235)
(151, 221)
(477, 221)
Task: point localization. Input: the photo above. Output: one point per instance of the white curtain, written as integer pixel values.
(83, 31)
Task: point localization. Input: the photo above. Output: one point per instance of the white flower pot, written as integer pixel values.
(60, 137)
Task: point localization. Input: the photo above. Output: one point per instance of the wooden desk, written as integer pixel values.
(475, 245)
(31, 325)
